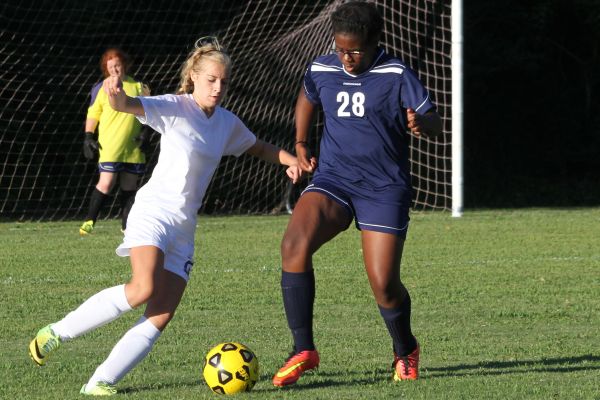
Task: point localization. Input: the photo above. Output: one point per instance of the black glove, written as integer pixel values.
(90, 146)
(143, 140)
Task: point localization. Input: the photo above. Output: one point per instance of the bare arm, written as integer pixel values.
(118, 99)
(276, 155)
(90, 125)
(304, 116)
(271, 153)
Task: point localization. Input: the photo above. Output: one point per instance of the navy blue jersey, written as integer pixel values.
(365, 140)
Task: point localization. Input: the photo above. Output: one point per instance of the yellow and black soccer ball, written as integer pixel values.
(230, 368)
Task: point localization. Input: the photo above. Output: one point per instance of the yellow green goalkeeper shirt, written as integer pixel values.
(116, 130)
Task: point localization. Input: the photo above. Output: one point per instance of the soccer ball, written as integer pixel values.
(230, 368)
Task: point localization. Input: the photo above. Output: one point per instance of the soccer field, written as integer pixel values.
(505, 306)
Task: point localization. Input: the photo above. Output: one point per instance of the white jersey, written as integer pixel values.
(191, 148)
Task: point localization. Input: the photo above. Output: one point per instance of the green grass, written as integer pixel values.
(505, 305)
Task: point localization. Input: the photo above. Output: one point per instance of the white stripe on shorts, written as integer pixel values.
(315, 188)
(384, 226)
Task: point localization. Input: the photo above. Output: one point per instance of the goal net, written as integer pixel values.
(49, 53)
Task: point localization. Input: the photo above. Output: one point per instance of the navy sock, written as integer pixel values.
(96, 202)
(397, 321)
(298, 291)
(127, 198)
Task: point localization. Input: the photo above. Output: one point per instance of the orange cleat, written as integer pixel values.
(295, 366)
(406, 368)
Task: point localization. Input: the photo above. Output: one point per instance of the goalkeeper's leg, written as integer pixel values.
(97, 200)
(127, 198)
(128, 182)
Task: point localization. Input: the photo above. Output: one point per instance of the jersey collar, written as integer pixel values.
(375, 61)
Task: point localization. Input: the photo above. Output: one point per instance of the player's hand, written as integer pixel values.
(428, 125)
(117, 98)
(414, 122)
(305, 161)
(90, 146)
(112, 85)
(294, 172)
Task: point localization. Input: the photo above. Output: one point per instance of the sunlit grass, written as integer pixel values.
(505, 306)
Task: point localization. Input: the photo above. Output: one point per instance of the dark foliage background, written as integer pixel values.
(532, 103)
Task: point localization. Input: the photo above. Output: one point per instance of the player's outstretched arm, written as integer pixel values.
(276, 155)
(428, 125)
(118, 99)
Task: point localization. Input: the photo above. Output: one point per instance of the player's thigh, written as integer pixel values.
(315, 220)
(147, 264)
(166, 298)
(128, 181)
(106, 181)
(383, 222)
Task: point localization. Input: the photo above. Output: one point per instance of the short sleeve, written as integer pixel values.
(413, 94)
(310, 88)
(160, 112)
(240, 140)
(95, 108)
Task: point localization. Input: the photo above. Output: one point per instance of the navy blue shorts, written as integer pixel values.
(382, 211)
(137, 169)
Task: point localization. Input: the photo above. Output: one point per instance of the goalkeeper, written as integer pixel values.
(121, 141)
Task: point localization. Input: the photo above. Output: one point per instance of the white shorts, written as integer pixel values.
(147, 230)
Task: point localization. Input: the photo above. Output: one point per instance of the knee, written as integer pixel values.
(103, 187)
(388, 294)
(293, 246)
(138, 293)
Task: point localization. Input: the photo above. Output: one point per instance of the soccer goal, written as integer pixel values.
(49, 57)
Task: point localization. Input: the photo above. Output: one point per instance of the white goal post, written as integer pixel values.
(457, 108)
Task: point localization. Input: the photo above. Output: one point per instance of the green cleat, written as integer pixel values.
(86, 228)
(44, 343)
(99, 389)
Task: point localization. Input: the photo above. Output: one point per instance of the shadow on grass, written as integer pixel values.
(562, 364)
(321, 379)
(159, 386)
(312, 380)
(379, 375)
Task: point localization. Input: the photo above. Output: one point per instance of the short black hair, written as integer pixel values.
(358, 18)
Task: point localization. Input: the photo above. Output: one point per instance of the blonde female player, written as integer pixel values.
(196, 133)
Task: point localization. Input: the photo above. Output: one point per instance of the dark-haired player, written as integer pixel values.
(370, 101)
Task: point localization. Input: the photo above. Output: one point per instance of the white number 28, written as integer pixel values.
(358, 104)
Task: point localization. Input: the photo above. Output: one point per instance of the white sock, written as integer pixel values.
(100, 309)
(127, 353)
